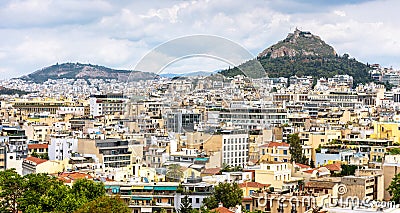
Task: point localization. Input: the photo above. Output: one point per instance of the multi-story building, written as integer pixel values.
(235, 148)
(331, 155)
(391, 78)
(41, 105)
(275, 151)
(390, 167)
(180, 122)
(146, 197)
(36, 132)
(278, 174)
(115, 152)
(38, 148)
(253, 118)
(14, 147)
(361, 187)
(108, 105)
(62, 146)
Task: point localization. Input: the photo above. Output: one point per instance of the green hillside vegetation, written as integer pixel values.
(304, 66)
(7, 91)
(84, 71)
(302, 54)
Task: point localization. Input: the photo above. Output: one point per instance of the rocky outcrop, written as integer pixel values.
(299, 43)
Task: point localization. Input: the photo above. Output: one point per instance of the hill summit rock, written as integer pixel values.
(299, 43)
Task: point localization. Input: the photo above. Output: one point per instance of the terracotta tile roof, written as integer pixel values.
(35, 160)
(275, 144)
(253, 185)
(334, 167)
(211, 171)
(222, 210)
(309, 171)
(68, 177)
(303, 166)
(38, 146)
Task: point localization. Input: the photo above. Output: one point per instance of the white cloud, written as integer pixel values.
(34, 33)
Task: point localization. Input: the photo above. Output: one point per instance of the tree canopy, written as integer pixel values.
(394, 189)
(296, 150)
(186, 206)
(37, 193)
(174, 173)
(105, 204)
(229, 194)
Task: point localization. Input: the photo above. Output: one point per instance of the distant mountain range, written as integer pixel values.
(85, 71)
(190, 74)
(300, 53)
(303, 54)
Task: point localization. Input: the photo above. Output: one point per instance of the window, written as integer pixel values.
(197, 200)
(285, 152)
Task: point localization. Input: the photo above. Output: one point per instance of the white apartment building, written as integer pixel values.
(108, 104)
(235, 149)
(73, 110)
(62, 147)
(253, 118)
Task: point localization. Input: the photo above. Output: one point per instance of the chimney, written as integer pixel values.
(220, 204)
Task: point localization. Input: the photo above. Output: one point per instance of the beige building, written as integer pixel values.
(278, 174)
(36, 132)
(391, 167)
(36, 165)
(275, 151)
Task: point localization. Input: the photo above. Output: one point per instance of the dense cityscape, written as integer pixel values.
(154, 142)
(199, 106)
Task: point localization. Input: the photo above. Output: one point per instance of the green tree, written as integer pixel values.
(394, 189)
(295, 149)
(394, 151)
(11, 189)
(41, 156)
(229, 194)
(209, 203)
(88, 189)
(186, 206)
(348, 169)
(42, 193)
(36, 193)
(226, 168)
(105, 204)
(174, 173)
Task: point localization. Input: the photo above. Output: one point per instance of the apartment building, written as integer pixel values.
(180, 122)
(275, 151)
(235, 148)
(251, 118)
(146, 197)
(110, 104)
(278, 174)
(62, 146)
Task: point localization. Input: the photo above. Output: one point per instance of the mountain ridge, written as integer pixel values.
(84, 71)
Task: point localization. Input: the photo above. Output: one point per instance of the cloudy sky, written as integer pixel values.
(118, 34)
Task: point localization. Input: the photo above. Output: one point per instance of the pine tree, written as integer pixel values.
(295, 149)
(186, 206)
